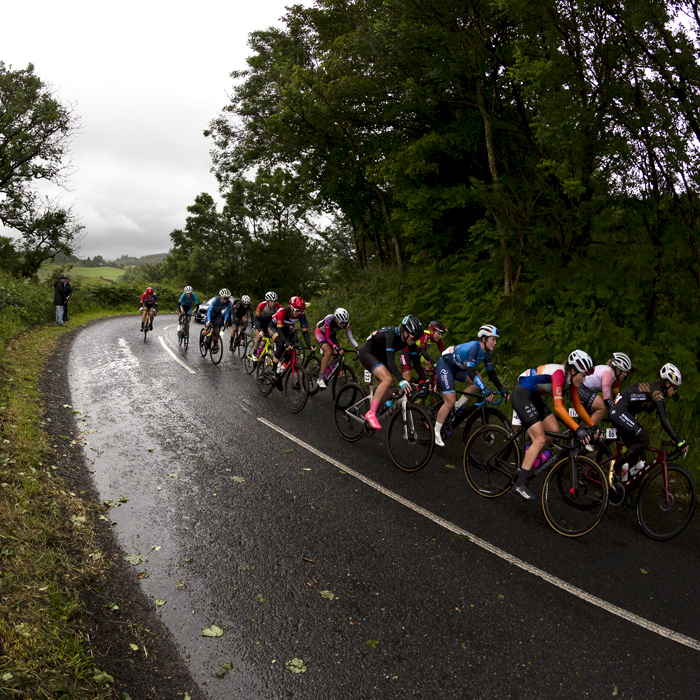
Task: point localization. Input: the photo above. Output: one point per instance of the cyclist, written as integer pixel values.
(149, 300)
(239, 316)
(377, 355)
(282, 329)
(185, 305)
(606, 379)
(534, 414)
(217, 315)
(325, 334)
(433, 336)
(458, 364)
(263, 315)
(644, 396)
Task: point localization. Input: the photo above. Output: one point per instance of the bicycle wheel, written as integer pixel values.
(313, 372)
(266, 375)
(186, 337)
(145, 332)
(575, 496)
(249, 358)
(180, 337)
(349, 410)
(491, 460)
(346, 375)
(240, 345)
(216, 351)
(296, 388)
(476, 420)
(410, 438)
(662, 518)
(300, 350)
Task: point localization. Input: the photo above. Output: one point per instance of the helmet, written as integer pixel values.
(672, 373)
(297, 303)
(149, 290)
(270, 296)
(341, 315)
(224, 292)
(488, 331)
(188, 289)
(245, 299)
(437, 326)
(581, 361)
(621, 361)
(413, 325)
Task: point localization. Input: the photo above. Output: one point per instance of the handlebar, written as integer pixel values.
(495, 402)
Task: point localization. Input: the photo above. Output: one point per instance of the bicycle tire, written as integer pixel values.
(349, 410)
(216, 350)
(186, 338)
(265, 375)
(346, 375)
(491, 460)
(296, 388)
(575, 502)
(203, 345)
(145, 332)
(411, 442)
(475, 421)
(240, 344)
(658, 519)
(248, 358)
(180, 337)
(313, 371)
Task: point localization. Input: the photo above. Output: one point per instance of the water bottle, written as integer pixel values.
(625, 473)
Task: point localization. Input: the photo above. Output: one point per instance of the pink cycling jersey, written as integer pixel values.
(603, 379)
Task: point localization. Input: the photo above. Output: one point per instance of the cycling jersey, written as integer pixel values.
(551, 379)
(265, 311)
(218, 311)
(462, 360)
(238, 311)
(603, 380)
(149, 299)
(381, 347)
(644, 396)
(427, 341)
(327, 328)
(283, 323)
(186, 301)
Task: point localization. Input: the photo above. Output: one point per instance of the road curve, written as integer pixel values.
(384, 584)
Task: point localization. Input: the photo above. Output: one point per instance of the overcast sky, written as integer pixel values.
(146, 78)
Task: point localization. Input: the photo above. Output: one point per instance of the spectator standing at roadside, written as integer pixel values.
(60, 296)
(69, 294)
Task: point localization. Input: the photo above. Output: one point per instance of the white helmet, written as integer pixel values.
(621, 361)
(581, 361)
(188, 289)
(270, 296)
(672, 373)
(341, 315)
(224, 292)
(488, 331)
(245, 299)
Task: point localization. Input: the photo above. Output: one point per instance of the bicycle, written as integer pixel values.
(410, 438)
(240, 342)
(211, 342)
(183, 335)
(149, 315)
(250, 362)
(667, 492)
(337, 373)
(293, 380)
(575, 492)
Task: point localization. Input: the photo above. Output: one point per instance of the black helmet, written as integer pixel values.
(412, 325)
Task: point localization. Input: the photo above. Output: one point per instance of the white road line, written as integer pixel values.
(563, 585)
(175, 357)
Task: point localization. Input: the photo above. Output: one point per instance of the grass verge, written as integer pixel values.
(48, 547)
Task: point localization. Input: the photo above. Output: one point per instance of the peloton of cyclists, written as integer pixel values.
(184, 306)
(325, 334)
(217, 315)
(282, 329)
(263, 315)
(239, 317)
(149, 300)
(377, 355)
(458, 364)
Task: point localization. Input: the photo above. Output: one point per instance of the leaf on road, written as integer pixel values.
(181, 584)
(260, 598)
(212, 631)
(109, 504)
(135, 647)
(123, 499)
(644, 571)
(223, 670)
(135, 559)
(328, 594)
(296, 666)
(287, 451)
(112, 606)
(372, 643)
(173, 475)
(237, 479)
(450, 466)
(160, 602)
(244, 567)
(143, 574)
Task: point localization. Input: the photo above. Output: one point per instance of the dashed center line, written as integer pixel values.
(502, 554)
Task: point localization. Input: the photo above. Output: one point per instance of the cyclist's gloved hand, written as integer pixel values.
(682, 444)
(405, 385)
(582, 434)
(486, 392)
(504, 393)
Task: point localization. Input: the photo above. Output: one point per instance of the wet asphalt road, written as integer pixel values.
(417, 610)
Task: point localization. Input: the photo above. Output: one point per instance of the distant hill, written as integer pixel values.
(129, 261)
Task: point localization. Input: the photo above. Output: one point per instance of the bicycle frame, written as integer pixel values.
(636, 479)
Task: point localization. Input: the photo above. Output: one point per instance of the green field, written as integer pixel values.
(108, 273)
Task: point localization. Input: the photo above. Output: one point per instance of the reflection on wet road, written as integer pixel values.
(294, 559)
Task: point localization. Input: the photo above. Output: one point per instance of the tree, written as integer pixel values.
(35, 131)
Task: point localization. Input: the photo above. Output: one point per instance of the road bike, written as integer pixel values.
(575, 492)
(183, 335)
(150, 315)
(667, 494)
(337, 374)
(409, 437)
(211, 342)
(250, 362)
(293, 381)
(240, 342)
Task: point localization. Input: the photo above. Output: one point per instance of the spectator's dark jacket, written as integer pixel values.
(62, 290)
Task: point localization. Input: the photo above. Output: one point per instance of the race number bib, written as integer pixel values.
(572, 413)
(516, 419)
(611, 433)
(368, 377)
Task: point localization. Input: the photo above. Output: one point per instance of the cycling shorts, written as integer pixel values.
(447, 374)
(627, 425)
(217, 321)
(370, 361)
(186, 308)
(529, 405)
(148, 306)
(587, 396)
(265, 324)
(321, 338)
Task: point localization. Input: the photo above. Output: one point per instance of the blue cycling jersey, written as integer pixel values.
(219, 307)
(189, 300)
(470, 355)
